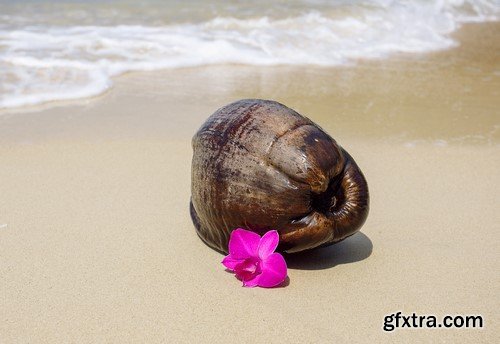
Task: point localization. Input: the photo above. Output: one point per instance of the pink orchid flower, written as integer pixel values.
(253, 259)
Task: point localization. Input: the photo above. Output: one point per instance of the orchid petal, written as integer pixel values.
(273, 271)
(252, 283)
(230, 263)
(243, 244)
(248, 269)
(268, 244)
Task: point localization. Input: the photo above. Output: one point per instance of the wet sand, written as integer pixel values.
(96, 243)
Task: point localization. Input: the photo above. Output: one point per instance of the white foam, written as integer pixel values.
(44, 63)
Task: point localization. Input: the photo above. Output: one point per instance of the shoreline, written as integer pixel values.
(401, 97)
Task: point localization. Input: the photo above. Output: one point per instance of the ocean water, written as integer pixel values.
(69, 49)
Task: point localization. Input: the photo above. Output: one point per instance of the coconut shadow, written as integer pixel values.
(353, 249)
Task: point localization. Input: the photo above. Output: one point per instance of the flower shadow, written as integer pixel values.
(354, 249)
(284, 284)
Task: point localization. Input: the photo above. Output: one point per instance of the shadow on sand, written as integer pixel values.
(357, 247)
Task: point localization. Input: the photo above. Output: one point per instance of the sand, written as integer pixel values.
(96, 242)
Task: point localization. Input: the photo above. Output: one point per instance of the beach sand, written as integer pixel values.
(96, 242)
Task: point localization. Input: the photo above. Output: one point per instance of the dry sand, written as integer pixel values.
(96, 243)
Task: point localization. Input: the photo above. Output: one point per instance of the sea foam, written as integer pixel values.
(43, 63)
